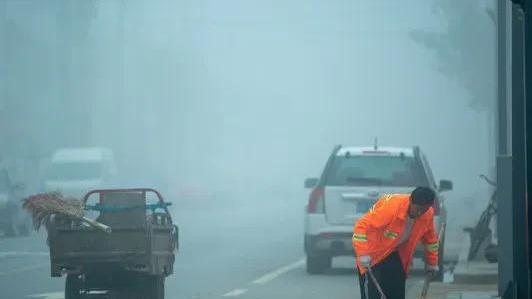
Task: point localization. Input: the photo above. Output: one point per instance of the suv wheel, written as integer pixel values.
(154, 287)
(441, 248)
(73, 287)
(317, 264)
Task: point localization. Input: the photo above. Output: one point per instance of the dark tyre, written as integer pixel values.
(439, 276)
(318, 264)
(491, 253)
(73, 286)
(154, 287)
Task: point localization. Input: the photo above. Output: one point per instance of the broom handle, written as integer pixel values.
(425, 290)
(97, 225)
(426, 284)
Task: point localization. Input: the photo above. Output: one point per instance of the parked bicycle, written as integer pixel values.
(482, 231)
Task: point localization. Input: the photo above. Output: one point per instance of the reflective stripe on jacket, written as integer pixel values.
(378, 232)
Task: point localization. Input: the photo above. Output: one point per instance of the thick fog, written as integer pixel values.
(239, 101)
(243, 97)
(235, 94)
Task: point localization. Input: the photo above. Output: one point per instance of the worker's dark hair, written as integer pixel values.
(423, 196)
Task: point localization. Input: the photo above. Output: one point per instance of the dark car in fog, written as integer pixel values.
(13, 220)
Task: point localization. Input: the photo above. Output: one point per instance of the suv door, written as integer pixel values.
(440, 200)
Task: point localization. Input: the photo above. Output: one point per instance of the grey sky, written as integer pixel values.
(256, 93)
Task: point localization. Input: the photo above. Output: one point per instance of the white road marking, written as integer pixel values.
(25, 269)
(4, 254)
(276, 273)
(268, 277)
(235, 293)
(54, 295)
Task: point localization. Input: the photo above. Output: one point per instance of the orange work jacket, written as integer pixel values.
(378, 232)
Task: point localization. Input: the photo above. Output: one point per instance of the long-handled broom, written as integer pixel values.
(42, 206)
(375, 282)
(426, 283)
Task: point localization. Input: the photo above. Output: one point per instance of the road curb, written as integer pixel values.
(472, 295)
(476, 271)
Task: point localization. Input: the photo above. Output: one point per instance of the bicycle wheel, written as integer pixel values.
(478, 235)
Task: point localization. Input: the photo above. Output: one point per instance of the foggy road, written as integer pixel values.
(243, 249)
(227, 107)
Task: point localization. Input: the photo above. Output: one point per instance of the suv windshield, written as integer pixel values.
(75, 171)
(375, 171)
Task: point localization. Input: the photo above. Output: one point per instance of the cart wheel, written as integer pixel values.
(154, 287)
(73, 286)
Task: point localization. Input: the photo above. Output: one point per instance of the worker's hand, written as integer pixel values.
(365, 261)
(432, 271)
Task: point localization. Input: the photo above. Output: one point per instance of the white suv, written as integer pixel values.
(353, 179)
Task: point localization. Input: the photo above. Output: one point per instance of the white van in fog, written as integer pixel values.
(74, 171)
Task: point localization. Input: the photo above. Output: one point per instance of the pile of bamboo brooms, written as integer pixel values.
(44, 205)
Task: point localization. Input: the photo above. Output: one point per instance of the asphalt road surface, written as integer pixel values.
(238, 249)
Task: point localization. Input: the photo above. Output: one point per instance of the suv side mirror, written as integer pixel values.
(311, 182)
(445, 185)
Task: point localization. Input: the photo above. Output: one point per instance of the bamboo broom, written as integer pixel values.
(42, 206)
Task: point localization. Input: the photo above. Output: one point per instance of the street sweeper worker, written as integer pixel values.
(385, 239)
